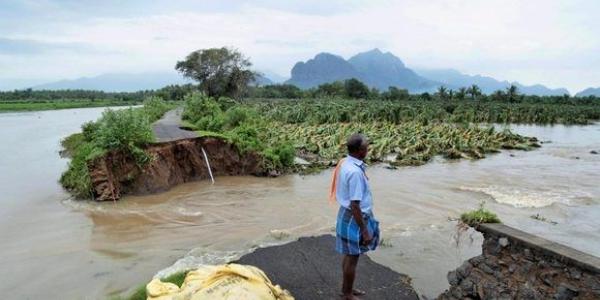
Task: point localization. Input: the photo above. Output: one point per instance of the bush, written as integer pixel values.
(155, 108)
(479, 216)
(89, 130)
(279, 156)
(238, 115)
(226, 103)
(204, 112)
(123, 130)
(77, 177)
(71, 143)
(245, 137)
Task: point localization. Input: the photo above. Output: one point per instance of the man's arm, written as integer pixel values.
(355, 189)
(357, 214)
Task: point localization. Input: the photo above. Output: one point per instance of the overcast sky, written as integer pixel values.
(555, 43)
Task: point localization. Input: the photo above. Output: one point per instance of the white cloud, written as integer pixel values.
(549, 42)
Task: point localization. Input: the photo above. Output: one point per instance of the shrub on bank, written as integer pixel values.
(155, 108)
(127, 130)
(479, 216)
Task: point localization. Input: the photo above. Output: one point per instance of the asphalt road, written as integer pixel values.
(311, 269)
(167, 128)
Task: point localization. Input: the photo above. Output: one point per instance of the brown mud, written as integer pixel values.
(116, 173)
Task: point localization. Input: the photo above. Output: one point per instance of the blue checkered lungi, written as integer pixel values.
(348, 233)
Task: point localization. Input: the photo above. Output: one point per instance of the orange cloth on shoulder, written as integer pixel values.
(334, 177)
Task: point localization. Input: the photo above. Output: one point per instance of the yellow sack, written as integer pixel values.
(223, 282)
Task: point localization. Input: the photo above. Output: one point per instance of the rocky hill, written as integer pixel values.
(589, 92)
(455, 79)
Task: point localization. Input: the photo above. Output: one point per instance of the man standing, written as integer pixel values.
(357, 231)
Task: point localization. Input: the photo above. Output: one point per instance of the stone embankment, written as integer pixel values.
(518, 265)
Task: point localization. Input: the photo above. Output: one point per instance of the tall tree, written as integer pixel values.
(354, 88)
(474, 91)
(220, 71)
(461, 93)
(512, 93)
(442, 93)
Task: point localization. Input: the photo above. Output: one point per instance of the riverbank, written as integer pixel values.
(16, 106)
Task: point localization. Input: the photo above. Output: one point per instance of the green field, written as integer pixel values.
(10, 106)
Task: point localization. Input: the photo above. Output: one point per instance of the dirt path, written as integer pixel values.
(167, 128)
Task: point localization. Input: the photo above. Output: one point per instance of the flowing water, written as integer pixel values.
(57, 248)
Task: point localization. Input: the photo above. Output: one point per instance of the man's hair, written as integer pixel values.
(356, 142)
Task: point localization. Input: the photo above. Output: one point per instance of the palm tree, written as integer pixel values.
(512, 92)
(474, 91)
(460, 94)
(442, 93)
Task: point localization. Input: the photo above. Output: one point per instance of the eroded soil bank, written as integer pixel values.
(116, 173)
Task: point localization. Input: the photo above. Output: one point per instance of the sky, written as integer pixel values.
(555, 43)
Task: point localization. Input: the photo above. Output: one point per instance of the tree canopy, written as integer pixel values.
(220, 71)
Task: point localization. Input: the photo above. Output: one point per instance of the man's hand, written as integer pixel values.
(366, 238)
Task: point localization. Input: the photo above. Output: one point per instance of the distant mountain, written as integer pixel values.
(273, 77)
(454, 79)
(382, 70)
(325, 67)
(18, 84)
(123, 82)
(261, 80)
(589, 92)
(375, 68)
(117, 82)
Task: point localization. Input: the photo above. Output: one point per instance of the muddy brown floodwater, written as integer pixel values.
(57, 248)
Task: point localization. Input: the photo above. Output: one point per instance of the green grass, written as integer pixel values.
(479, 216)
(140, 292)
(71, 143)
(11, 106)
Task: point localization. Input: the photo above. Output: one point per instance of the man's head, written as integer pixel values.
(358, 146)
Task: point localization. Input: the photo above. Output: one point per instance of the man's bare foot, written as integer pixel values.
(349, 297)
(356, 292)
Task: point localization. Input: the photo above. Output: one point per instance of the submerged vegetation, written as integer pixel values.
(479, 216)
(126, 129)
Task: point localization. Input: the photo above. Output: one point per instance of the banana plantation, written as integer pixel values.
(409, 143)
(319, 111)
(400, 133)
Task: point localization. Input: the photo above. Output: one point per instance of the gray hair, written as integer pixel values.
(356, 142)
